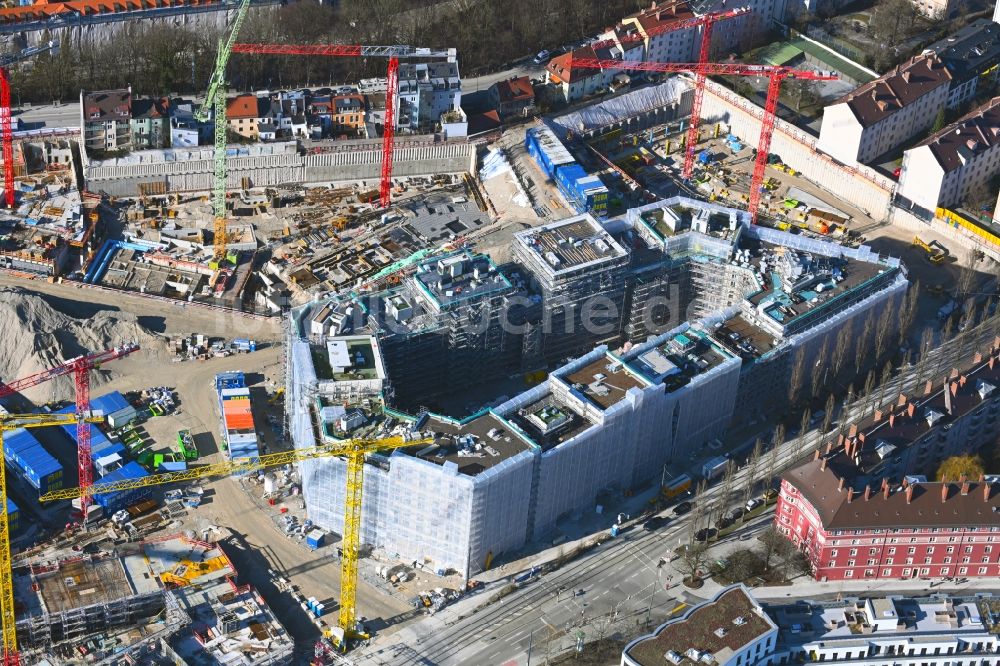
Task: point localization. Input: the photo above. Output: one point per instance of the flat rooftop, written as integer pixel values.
(447, 281)
(474, 446)
(679, 358)
(720, 628)
(797, 282)
(848, 622)
(360, 354)
(744, 339)
(571, 243)
(437, 222)
(604, 382)
(548, 422)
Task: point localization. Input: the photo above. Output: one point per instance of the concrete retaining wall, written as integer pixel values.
(907, 220)
(353, 163)
(859, 185)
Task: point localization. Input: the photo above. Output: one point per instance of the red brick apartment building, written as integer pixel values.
(857, 514)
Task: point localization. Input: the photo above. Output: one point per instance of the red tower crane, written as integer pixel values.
(775, 74)
(6, 134)
(393, 53)
(80, 368)
(706, 23)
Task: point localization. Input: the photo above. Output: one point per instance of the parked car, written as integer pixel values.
(705, 533)
(736, 514)
(753, 504)
(542, 56)
(682, 508)
(655, 523)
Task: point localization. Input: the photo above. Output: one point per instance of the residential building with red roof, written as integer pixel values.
(661, 44)
(959, 160)
(858, 511)
(512, 98)
(578, 82)
(243, 115)
(884, 114)
(105, 116)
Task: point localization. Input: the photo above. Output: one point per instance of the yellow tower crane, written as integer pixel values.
(354, 451)
(11, 657)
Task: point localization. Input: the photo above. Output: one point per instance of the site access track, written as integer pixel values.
(620, 573)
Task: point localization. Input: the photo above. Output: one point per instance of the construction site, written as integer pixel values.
(268, 399)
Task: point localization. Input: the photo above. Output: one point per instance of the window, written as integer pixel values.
(962, 571)
(911, 550)
(886, 572)
(982, 571)
(849, 573)
(850, 563)
(854, 551)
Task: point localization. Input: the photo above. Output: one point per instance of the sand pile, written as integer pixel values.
(34, 336)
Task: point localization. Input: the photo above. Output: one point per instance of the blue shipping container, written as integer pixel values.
(108, 451)
(109, 404)
(13, 516)
(32, 462)
(229, 380)
(115, 501)
(173, 466)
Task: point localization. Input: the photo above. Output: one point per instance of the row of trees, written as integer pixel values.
(161, 59)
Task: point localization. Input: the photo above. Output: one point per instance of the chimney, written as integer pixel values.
(902, 400)
(885, 488)
(978, 358)
(848, 445)
(906, 76)
(868, 493)
(816, 455)
(944, 491)
(840, 484)
(911, 409)
(853, 431)
(878, 415)
(822, 465)
(829, 447)
(892, 420)
(861, 437)
(949, 391)
(986, 492)
(909, 494)
(962, 380)
(928, 387)
(993, 359)
(965, 486)
(850, 494)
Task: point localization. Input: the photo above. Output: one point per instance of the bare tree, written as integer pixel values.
(840, 349)
(820, 366)
(863, 343)
(693, 558)
(797, 377)
(831, 405)
(882, 330)
(926, 344)
(772, 457)
(908, 312)
(772, 542)
(804, 427)
(752, 470)
(725, 491)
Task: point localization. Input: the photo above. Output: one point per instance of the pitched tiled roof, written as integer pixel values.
(959, 142)
(903, 85)
(107, 105)
(514, 90)
(242, 106)
(659, 16)
(561, 67)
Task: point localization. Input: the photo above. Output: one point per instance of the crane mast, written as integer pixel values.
(353, 451)
(215, 100)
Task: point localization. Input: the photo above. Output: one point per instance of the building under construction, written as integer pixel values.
(707, 312)
(141, 601)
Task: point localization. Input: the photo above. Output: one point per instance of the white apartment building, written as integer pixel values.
(951, 164)
(426, 91)
(883, 114)
(895, 630)
(579, 82)
(661, 44)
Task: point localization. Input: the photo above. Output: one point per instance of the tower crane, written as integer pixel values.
(80, 368)
(11, 656)
(215, 106)
(393, 53)
(706, 23)
(775, 75)
(354, 451)
(6, 61)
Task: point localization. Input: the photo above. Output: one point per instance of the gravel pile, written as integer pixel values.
(34, 336)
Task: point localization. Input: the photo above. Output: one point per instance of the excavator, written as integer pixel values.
(936, 253)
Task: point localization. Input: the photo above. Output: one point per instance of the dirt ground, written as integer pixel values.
(226, 503)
